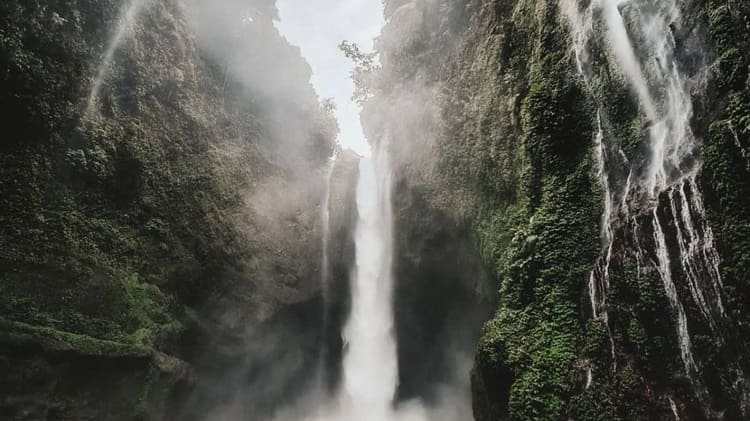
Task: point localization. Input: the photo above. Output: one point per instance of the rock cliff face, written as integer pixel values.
(498, 119)
(160, 230)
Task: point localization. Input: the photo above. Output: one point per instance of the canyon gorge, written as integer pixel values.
(547, 216)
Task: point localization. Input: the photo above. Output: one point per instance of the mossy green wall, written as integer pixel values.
(513, 161)
(131, 231)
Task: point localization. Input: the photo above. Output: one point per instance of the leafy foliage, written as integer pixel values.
(365, 68)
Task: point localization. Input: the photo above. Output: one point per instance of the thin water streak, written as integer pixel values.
(125, 23)
(599, 283)
(326, 227)
(673, 406)
(738, 144)
(370, 365)
(665, 272)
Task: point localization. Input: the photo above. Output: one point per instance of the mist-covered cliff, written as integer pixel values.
(162, 172)
(569, 211)
(595, 154)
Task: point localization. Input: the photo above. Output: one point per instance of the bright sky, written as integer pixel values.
(318, 27)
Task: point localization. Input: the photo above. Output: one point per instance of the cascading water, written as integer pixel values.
(598, 299)
(673, 407)
(599, 277)
(370, 365)
(124, 26)
(665, 272)
(639, 37)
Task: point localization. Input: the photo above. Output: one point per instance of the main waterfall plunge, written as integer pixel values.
(370, 365)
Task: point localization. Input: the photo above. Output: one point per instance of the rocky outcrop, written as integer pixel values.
(160, 234)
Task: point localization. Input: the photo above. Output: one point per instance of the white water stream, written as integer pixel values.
(124, 26)
(370, 366)
(325, 216)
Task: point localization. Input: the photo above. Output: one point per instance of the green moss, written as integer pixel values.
(536, 205)
(115, 224)
(55, 341)
(514, 159)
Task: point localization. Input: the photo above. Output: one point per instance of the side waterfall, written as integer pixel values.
(324, 380)
(124, 26)
(639, 39)
(325, 217)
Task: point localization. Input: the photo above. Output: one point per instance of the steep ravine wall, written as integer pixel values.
(502, 142)
(442, 297)
(159, 244)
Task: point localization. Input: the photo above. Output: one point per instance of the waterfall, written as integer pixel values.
(698, 257)
(672, 143)
(601, 273)
(625, 54)
(599, 283)
(639, 38)
(124, 26)
(599, 277)
(370, 365)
